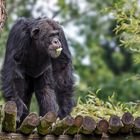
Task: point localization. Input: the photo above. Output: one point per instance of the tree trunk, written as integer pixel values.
(2, 14)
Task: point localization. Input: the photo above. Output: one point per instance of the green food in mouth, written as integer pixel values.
(58, 51)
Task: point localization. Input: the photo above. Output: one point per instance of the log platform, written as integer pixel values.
(49, 127)
(18, 136)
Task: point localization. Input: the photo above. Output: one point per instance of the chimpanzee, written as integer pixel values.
(38, 60)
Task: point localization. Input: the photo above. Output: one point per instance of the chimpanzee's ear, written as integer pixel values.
(64, 43)
(35, 33)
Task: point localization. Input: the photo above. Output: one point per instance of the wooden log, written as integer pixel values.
(62, 126)
(88, 125)
(9, 120)
(48, 137)
(136, 128)
(16, 136)
(45, 125)
(65, 137)
(29, 124)
(78, 121)
(102, 128)
(89, 137)
(1, 113)
(1, 116)
(78, 137)
(114, 124)
(128, 121)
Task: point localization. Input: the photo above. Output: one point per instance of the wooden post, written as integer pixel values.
(1, 116)
(88, 125)
(62, 126)
(65, 137)
(78, 121)
(136, 128)
(9, 120)
(102, 128)
(46, 122)
(114, 124)
(29, 123)
(128, 121)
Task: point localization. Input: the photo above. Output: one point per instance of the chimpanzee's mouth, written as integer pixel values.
(54, 53)
(58, 51)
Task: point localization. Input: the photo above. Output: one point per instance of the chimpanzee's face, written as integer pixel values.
(54, 45)
(48, 38)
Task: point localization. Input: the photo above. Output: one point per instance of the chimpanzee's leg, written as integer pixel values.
(18, 88)
(28, 92)
(64, 91)
(44, 91)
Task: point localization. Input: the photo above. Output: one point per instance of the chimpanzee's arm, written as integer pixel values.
(45, 94)
(13, 85)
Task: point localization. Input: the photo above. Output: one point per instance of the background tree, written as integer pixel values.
(99, 61)
(2, 13)
(98, 58)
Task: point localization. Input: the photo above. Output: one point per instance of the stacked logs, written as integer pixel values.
(69, 126)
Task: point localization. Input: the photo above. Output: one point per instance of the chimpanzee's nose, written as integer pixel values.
(56, 43)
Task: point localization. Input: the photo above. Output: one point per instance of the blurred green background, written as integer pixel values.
(98, 59)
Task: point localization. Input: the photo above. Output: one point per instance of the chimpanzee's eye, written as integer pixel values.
(54, 33)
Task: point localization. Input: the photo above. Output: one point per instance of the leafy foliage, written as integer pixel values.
(97, 108)
(127, 15)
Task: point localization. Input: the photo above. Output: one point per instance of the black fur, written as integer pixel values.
(29, 68)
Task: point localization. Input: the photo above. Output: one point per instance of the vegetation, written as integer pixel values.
(99, 109)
